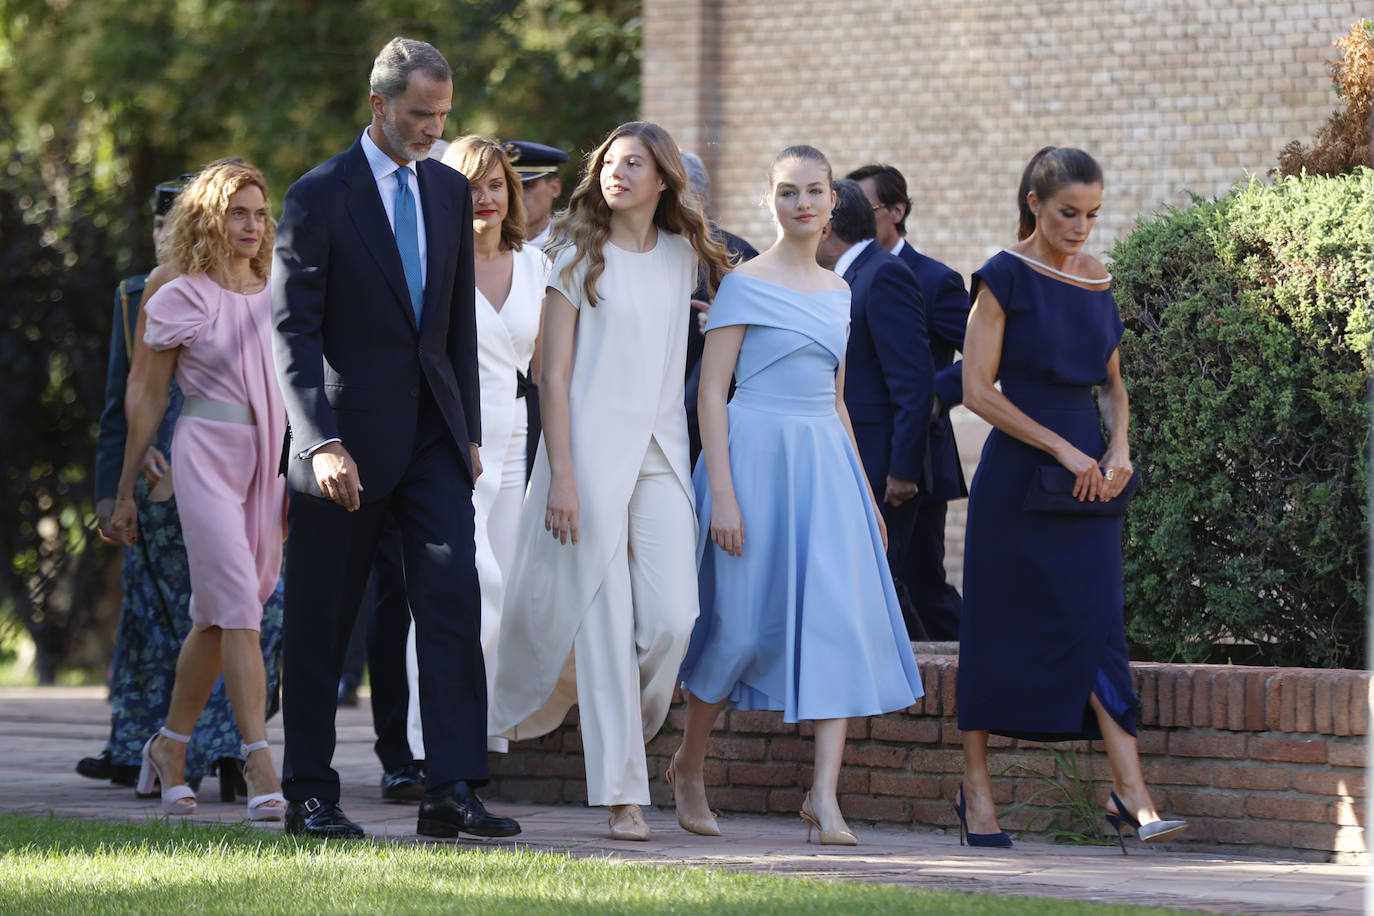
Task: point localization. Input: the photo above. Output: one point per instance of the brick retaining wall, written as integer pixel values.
(1268, 758)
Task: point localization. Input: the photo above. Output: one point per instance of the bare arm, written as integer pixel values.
(843, 411)
(982, 359)
(555, 379)
(718, 359)
(144, 407)
(153, 463)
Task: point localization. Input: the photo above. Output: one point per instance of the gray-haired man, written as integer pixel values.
(376, 351)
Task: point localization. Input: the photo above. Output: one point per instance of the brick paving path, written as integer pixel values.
(44, 732)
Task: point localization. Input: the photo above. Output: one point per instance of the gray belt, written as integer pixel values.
(223, 411)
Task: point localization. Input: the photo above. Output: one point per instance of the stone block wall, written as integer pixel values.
(1270, 759)
(1171, 96)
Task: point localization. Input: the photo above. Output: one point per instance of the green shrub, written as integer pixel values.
(1247, 356)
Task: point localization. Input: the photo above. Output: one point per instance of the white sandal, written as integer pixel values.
(150, 778)
(259, 806)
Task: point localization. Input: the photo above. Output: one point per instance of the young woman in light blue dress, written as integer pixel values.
(798, 612)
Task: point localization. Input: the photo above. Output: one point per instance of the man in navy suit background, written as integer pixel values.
(889, 375)
(923, 567)
(375, 345)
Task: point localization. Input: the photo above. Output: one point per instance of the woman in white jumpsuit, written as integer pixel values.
(602, 595)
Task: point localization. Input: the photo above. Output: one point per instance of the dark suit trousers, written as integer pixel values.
(331, 552)
(873, 439)
(386, 651)
(922, 568)
(379, 642)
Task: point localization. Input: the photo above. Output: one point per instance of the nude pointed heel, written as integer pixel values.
(700, 826)
(150, 778)
(259, 806)
(627, 823)
(827, 837)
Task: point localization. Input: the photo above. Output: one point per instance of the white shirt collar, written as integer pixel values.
(383, 166)
(897, 248)
(848, 257)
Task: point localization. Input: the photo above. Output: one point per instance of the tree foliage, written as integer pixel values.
(1343, 143)
(1247, 353)
(99, 101)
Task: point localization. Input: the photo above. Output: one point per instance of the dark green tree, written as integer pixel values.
(99, 101)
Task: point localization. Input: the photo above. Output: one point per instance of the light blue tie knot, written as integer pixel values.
(408, 242)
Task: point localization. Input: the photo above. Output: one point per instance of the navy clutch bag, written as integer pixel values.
(1051, 491)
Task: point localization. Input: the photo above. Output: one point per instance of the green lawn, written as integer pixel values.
(54, 867)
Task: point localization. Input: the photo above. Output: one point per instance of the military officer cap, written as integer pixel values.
(166, 194)
(533, 160)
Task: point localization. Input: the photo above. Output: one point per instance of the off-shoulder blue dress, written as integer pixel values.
(1042, 627)
(806, 621)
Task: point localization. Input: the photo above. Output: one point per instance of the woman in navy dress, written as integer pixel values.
(1042, 647)
(798, 611)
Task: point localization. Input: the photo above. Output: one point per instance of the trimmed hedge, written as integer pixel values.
(1247, 357)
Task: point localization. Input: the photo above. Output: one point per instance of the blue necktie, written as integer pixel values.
(408, 241)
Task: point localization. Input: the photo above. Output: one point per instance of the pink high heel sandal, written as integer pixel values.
(150, 778)
(259, 807)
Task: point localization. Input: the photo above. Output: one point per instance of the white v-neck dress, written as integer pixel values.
(505, 345)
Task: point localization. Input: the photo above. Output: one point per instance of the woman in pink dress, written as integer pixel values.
(211, 328)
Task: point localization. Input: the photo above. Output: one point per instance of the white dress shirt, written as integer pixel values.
(384, 169)
(848, 257)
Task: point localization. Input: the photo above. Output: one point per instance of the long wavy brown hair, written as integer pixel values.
(474, 156)
(195, 241)
(586, 225)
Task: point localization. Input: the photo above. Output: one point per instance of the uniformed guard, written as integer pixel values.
(537, 165)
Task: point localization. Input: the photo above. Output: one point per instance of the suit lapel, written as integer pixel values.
(859, 261)
(369, 218)
(438, 217)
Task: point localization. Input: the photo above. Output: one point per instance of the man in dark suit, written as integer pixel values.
(937, 602)
(889, 375)
(740, 251)
(375, 345)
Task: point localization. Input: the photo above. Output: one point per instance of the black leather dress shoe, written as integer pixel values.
(405, 784)
(322, 819)
(348, 694)
(456, 810)
(98, 767)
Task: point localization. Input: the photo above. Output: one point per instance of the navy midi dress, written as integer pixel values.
(1042, 627)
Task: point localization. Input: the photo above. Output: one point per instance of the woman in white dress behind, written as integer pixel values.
(510, 298)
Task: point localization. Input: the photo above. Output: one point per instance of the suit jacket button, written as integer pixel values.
(415, 392)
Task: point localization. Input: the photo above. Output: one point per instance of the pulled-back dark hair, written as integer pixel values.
(852, 219)
(891, 187)
(1050, 171)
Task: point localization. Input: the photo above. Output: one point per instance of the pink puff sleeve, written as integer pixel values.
(176, 315)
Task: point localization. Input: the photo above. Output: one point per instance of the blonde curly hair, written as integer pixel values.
(195, 241)
(586, 224)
